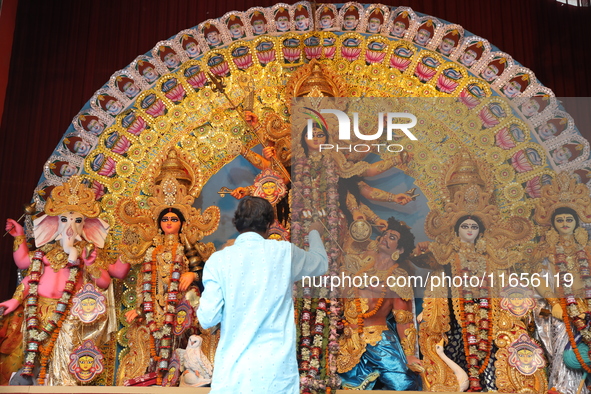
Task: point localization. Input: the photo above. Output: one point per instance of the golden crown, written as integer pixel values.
(564, 191)
(170, 193)
(72, 196)
(465, 193)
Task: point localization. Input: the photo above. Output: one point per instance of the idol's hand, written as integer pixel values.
(251, 118)
(422, 247)
(414, 364)
(358, 215)
(382, 224)
(557, 311)
(402, 198)
(405, 158)
(131, 315)
(91, 252)
(14, 228)
(269, 152)
(186, 279)
(8, 306)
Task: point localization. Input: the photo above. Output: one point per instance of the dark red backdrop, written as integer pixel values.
(65, 50)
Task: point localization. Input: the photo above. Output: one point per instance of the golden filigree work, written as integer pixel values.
(438, 376)
(564, 191)
(509, 379)
(73, 195)
(134, 362)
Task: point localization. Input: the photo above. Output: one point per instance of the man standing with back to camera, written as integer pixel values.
(248, 288)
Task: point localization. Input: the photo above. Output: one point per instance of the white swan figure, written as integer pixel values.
(461, 375)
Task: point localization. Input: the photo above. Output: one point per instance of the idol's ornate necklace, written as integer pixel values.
(166, 254)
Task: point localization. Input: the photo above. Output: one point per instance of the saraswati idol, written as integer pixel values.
(466, 337)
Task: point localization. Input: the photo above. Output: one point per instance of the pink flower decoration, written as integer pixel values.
(374, 56)
(221, 70)
(176, 94)
(243, 62)
(157, 109)
(266, 56)
(424, 73)
(350, 53)
(291, 54)
(197, 81)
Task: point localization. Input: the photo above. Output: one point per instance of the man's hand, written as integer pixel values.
(240, 192)
(317, 225)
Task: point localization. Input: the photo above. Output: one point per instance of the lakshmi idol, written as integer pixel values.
(67, 237)
(563, 256)
(468, 338)
(168, 260)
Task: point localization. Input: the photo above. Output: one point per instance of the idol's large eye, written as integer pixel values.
(78, 220)
(63, 219)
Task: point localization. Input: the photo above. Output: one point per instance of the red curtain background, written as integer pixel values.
(63, 51)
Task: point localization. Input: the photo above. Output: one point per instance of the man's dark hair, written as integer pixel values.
(461, 220)
(407, 239)
(176, 212)
(565, 210)
(253, 214)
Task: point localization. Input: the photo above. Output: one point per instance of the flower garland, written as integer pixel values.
(305, 338)
(571, 337)
(335, 325)
(39, 335)
(316, 182)
(475, 319)
(172, 296)
(570, 307)
(318, 196)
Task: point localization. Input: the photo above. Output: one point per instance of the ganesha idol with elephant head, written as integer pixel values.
(66, 236)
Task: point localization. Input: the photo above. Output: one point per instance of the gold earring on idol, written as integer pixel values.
(395, 256)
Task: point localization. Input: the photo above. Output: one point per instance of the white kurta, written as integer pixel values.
(248, 288)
